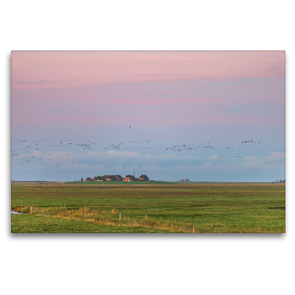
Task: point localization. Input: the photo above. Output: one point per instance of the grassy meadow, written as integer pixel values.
(148, 207)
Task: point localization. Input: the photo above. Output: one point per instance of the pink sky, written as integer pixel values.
(169, 97)
(58, 69)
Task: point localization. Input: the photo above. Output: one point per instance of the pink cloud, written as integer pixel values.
(215, 157)
(58, 69)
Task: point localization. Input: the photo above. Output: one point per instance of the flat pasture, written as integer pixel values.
(151, 207)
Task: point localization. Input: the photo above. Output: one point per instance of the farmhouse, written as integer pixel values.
(113, 177)
(98, 178)
(129, 178)
(117, 177)
(143, 177)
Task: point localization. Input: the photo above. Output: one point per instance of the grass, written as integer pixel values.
(149, 207)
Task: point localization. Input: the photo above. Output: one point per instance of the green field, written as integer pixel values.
(148, 207)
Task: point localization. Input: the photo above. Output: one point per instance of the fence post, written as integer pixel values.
(31, 210)
(145, 217)
(193, 229)
(120, 216)
(161, 218)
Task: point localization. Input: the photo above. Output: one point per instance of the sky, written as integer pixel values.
(200, 115)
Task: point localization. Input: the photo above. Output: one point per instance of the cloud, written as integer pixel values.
(36, 153)
(208, 165)
(215, 157)
(165, 166)
(273, 161)
(123, 160)
(30, 166)
(277, 154)
(249, 158)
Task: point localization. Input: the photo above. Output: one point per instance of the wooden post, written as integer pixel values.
(145, 217)
(120, 216)
(161, 218)
(193, 229)
(31, 210)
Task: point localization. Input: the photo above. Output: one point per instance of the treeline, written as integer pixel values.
(128, 177)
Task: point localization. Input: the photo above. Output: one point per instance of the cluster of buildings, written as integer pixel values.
(128, 177)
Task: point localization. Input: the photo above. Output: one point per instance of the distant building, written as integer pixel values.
(143, 177)
(129, 178)
(81, 178)
(119, 177)
(98, 178)
(184, 180)
(113, 177)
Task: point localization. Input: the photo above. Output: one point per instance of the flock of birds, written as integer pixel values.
(44, 148)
